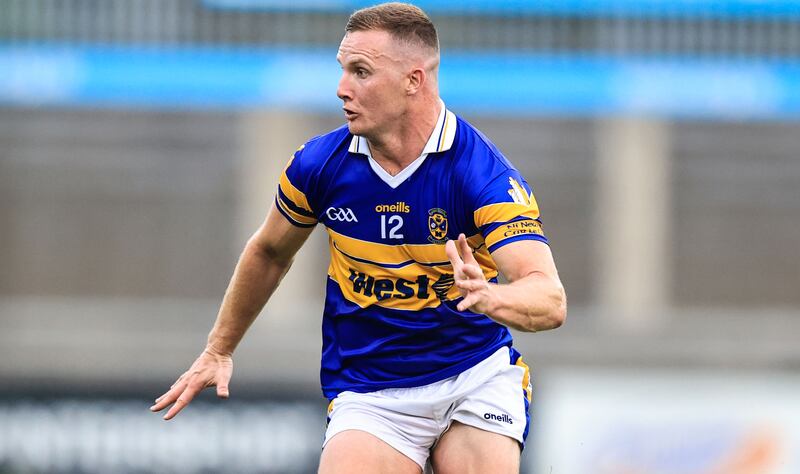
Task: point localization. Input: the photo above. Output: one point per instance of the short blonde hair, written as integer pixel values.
(403, 21)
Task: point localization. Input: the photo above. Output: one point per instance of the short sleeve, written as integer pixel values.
(506, 211)
(292, 199)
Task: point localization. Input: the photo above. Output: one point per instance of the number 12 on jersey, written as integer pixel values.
(395, 222)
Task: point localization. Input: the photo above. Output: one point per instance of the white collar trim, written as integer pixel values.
(441, 139)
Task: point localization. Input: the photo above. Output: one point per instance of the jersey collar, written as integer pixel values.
(440, 140)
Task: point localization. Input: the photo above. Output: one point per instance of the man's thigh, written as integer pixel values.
(464, 449)
(358, 452)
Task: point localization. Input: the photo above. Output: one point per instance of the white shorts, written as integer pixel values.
(493, 396)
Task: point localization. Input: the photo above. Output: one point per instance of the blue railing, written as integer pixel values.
(713, 8)
(500, 84)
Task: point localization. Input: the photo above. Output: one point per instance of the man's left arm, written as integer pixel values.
(532, 300)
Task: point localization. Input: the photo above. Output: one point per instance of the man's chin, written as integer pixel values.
(354, 129)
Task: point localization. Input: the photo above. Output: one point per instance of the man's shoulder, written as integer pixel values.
(312, 156)
(322, 146)
(481, 153)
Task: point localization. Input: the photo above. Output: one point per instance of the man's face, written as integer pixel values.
(373, 83)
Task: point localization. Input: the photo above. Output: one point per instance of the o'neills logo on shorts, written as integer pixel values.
(504, 418)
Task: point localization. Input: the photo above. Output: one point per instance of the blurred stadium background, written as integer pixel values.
(140, 143)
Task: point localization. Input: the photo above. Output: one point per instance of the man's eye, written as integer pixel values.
(361, 72)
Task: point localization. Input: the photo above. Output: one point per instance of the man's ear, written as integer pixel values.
(416, 79)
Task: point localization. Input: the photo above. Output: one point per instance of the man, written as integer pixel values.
(416, 357)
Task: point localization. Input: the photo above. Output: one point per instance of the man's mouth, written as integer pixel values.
(349, 114)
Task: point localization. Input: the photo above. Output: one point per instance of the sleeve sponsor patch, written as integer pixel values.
(507, 211)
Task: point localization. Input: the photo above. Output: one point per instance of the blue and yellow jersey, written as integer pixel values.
(390, 317)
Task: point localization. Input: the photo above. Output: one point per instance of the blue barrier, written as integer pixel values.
(713, 8)
(522, 85)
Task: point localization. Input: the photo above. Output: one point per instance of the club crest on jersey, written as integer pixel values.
(437, 225)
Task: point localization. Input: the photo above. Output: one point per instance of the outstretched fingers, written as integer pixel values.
(469, 301)
(459, 253)
(169, 396)
(452, 254)
(223, 381)
(184, 399)
(451, 249)
(471, 285)
(465, 250)
(473, 271)
(207, 371)
(469, 278)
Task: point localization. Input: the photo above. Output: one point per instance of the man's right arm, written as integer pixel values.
(265, 260)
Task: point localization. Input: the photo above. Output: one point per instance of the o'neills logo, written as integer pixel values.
(399, 206)
(504, 418)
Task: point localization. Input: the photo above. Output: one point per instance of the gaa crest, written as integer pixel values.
(437, 225)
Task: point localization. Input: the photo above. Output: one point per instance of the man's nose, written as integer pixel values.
(343, 91)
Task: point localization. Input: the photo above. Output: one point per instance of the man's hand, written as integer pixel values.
(469, 279)
(210, 369)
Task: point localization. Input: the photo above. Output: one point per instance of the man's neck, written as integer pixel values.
(396, 149)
